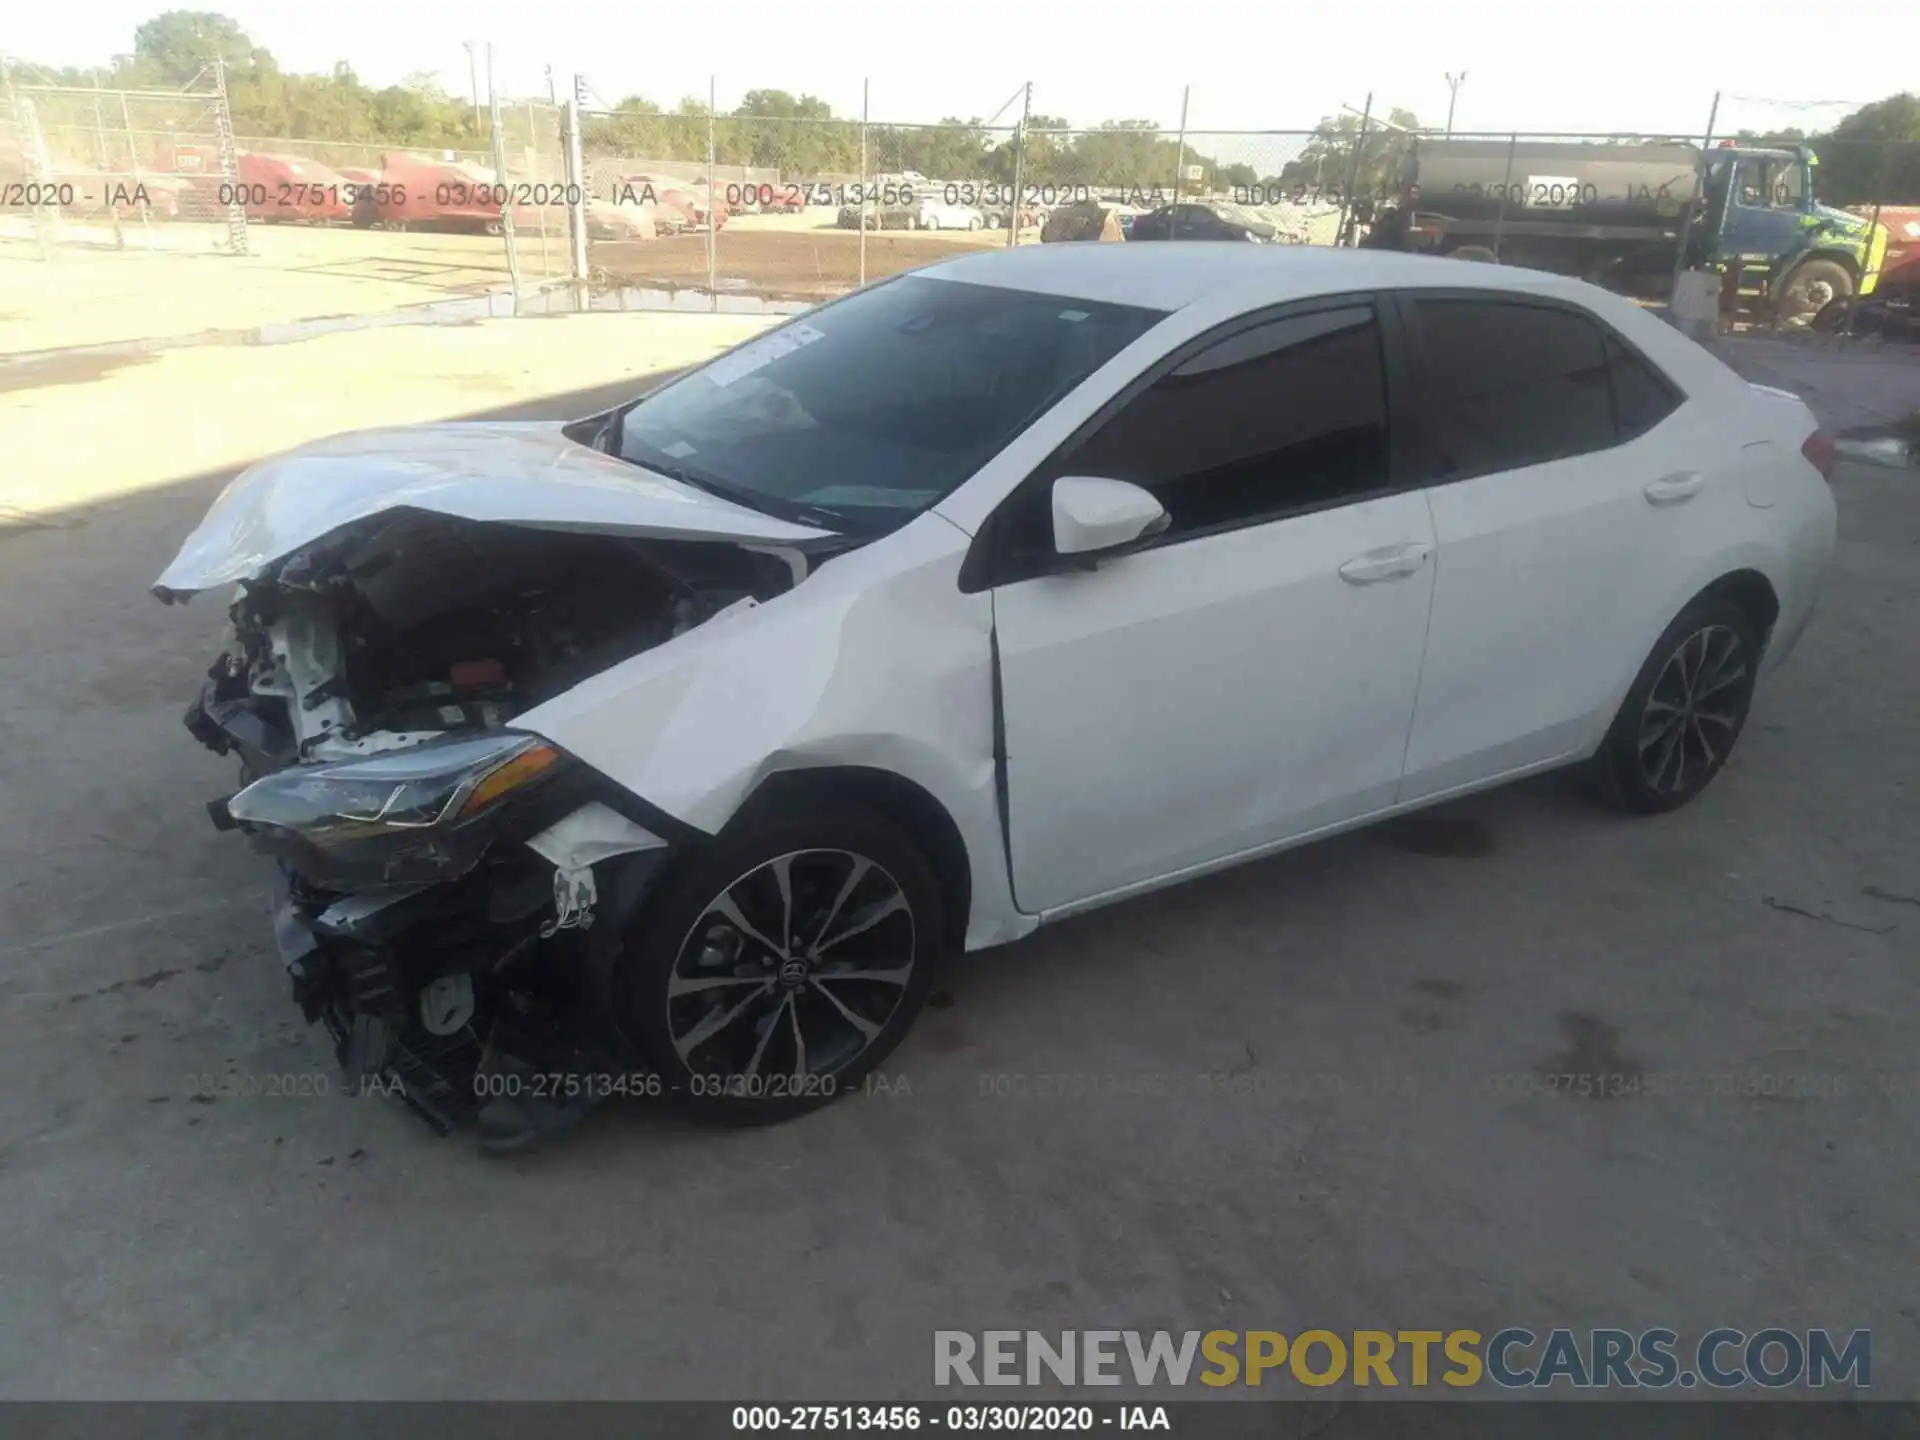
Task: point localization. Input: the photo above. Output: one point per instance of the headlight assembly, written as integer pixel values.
(421, 814)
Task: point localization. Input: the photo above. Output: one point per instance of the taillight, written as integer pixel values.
(1820, 453)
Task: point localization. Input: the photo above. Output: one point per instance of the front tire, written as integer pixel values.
(781, 964)
(1813, 285)
(1685, 711)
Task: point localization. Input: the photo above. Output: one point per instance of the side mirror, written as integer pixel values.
(1092, 515)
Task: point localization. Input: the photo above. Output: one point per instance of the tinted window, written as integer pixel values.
(1277, 417)
(1510, 385)
(1642, 397)
(865, 412)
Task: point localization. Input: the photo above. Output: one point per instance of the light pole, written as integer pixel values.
(1454, 82)
(473, 85)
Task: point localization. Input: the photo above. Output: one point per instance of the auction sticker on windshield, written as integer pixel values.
(751, 357)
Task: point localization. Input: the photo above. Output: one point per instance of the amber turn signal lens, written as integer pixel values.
(527, 765)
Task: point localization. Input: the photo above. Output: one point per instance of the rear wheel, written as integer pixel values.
(1813, 285)
(1686, 709)
(782, 964)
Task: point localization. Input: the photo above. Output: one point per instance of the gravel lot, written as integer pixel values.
(1382, 1001)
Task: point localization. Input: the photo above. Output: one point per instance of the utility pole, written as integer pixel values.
(1180, 146)
(1019, 163)
(1454, 82)
(473, 85)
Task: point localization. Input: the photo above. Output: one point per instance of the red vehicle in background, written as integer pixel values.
(421, 192)
(1893, 309)
(679, 204)
(366, 210)
(287, 188)
(1901, 269)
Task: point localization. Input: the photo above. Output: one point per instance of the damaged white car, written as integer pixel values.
(684, 741)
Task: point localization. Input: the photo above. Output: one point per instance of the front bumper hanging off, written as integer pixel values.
(356, 994)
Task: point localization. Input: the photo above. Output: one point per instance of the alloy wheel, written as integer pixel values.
(794, 969)
(1694, 710)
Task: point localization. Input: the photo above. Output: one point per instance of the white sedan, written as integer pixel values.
(933, 213)
(687, 740)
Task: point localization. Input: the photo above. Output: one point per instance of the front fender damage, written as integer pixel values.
(878, 663)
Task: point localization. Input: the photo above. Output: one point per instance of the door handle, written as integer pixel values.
(1673, 489)
(1395, 562)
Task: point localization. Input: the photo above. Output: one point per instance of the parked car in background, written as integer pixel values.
(878, 217)
(933, 213)
(685, 742)
(681, 204)
(996, 216)
(1201, 220)
(366, 205)
(283, 189)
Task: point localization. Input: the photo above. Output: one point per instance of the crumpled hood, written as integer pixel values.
(505, 472)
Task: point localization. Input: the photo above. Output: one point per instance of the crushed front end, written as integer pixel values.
(452, 893)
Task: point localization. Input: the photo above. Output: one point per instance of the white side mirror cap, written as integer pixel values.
(1091, 514)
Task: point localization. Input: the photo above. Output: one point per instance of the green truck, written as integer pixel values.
(1616, 213)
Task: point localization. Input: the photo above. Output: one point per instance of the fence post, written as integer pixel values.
(537, 180)
(1349, 229)
(713, 206)
(139, 175)
(1019, 164)
(1868, 276)
(106, 162)
(864, 88)
(1180, 149)
(229, 162)
(27, 121)
(576, 193)
(1506, 189)
(500, 179)
(1693, 199)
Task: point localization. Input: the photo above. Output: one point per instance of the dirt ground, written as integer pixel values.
(1375, 999)
(92, 295)
(801, 262)
(213, 406)
(88, 295)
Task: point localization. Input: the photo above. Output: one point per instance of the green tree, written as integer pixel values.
(1873, 156)
(1337, 154)
(181, 43)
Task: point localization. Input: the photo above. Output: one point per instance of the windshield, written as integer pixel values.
(860, 415)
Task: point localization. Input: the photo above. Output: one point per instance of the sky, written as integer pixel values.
(1631, 65)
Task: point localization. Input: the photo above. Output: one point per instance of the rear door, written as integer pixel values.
(1571, 486)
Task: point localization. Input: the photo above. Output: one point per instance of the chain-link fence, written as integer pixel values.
(86, 167)
(749, 211)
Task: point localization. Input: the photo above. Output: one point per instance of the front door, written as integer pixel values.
(1250, 676)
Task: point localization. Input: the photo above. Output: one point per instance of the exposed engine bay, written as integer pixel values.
(452, 894)
(417, 625)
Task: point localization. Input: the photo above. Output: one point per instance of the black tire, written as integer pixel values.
(737, 1072)
(1834, 317)
(1641, 766)
(1813, 285)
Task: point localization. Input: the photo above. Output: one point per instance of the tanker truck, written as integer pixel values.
(1614, 214)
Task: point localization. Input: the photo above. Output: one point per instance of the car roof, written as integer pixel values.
(1171, 275)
